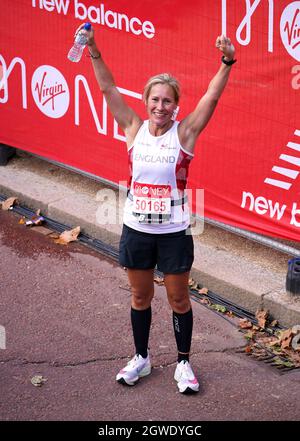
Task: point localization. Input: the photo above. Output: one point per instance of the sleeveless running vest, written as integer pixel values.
(158, 171)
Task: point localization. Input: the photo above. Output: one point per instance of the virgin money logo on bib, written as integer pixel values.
(290, 29)
(50, 91)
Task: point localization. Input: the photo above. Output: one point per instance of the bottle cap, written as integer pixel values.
(87, 26)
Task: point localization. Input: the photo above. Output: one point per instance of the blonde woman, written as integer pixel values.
(156, 217)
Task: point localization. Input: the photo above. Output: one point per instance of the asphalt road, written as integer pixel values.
(65, 312)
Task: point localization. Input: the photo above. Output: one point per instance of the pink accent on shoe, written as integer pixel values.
(194, 381)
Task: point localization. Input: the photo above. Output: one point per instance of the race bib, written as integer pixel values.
(152, 202)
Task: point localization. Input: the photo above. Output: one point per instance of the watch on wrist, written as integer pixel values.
(228, 63)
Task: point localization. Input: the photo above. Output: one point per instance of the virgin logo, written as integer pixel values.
(290, 29)
(50, 91)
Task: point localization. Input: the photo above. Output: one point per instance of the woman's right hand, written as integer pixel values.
(89, 34)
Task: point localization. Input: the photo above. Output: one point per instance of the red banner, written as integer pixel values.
(248, 157)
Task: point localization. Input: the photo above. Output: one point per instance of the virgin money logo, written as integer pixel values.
(290, 29)
(50, 91)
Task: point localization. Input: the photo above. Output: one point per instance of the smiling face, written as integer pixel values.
(161, 105)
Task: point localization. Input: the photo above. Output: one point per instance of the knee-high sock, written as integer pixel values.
(141, 322)
(183, 328)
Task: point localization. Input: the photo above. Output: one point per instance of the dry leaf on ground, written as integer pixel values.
(205, 301)
(245, 324)
(193, 284)
(159, 280)
(8, 203)
(68, 236)
(203, 290)
(261, 317)
(38, 380)
(250, 335)
(285, 338)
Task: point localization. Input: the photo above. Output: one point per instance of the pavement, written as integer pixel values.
(65, 311)
(242, 271)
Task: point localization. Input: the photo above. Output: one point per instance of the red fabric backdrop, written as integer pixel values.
(247, 159)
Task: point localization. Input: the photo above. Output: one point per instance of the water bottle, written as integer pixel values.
(80, 42)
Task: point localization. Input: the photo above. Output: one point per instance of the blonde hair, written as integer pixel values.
(163, 78)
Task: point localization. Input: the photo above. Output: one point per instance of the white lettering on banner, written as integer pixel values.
(51, 94)
(5, 74)
(246, 22)
(99, 15)
(103, 129)
(290, 29)
(288, 172)
(113, 19)
(49, 5)
(50, 91)
(289, 25)
(262, 205)
(296, 78)
(295, 212)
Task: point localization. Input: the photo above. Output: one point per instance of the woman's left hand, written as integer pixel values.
(225, 46)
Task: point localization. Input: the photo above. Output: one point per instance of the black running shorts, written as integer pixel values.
(172, 252)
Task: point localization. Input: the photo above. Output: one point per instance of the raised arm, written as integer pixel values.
(191, 127)
(127, 119)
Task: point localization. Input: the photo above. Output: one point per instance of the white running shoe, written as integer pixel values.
(137, 367)
(186, 380)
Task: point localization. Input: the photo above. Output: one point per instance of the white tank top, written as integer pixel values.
(158, 169)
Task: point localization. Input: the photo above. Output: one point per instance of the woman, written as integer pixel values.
(156, 219)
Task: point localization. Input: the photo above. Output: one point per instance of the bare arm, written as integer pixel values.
(127, 119)
(191, 127)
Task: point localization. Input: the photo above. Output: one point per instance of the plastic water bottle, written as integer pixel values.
(80, 42)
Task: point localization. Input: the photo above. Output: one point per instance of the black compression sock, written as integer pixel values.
(183, 327)
(141, 321)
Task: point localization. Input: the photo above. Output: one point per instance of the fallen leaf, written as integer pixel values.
(245, 324)
(193, 284)
(274, 323)
(53, 235)
(285, 338)
(22, 220)
(205, 301)
(248, 349)
(38, 380)
(293, 356)
(279, 362)
(219, 308)
(203, 290)
(8, 203)
(159, 280)
(249, 335)
(261, 317)
(68, 236)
